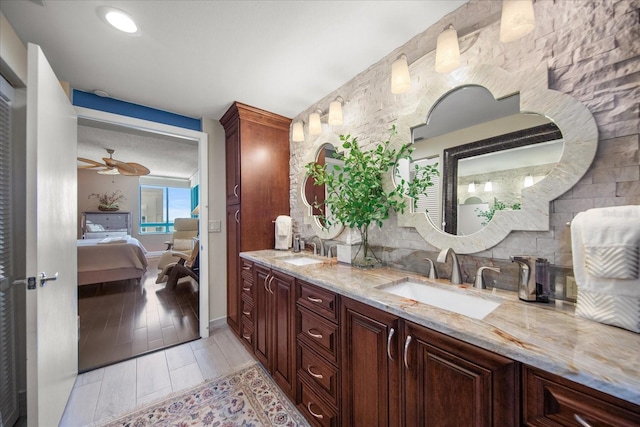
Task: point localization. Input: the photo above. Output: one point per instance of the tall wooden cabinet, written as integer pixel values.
(257, 188)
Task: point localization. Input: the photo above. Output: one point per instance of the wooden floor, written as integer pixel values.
(112, 391)
(121, 320)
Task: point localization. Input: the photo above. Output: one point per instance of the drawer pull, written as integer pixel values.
(319, 376)
(237, 216)
(271, 281)
(391, 334)
(581, 421)
(246, 313)
(315, 335)
(265, 282)
(235, 190)
(246, 267)
(318, 416)
(406, 350)
(316, 300)
(246, 337)
(247, 289)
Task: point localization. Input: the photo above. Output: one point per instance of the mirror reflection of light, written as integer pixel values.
(472, 187)
(528, 181)
(488, 186)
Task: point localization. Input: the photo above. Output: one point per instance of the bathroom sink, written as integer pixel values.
(302, 260)
(458, 302)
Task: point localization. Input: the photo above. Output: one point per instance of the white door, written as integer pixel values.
(51, 217)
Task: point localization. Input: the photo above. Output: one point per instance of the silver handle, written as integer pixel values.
(246, 337)
(44, 278)
(316, 300)
(318, 416)
(581, 421)
(237, 216)
(319, 376)
(246, 313)
(265, 282)
(391, 333)
(246, 267)
(235, 190)
(406, 350)
(318, 336)
(247, 289)
(271, 281)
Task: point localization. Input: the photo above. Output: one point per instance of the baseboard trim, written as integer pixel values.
(216, 324)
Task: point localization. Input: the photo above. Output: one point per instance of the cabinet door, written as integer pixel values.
(370, 369)
(233, 269)
(262, 309)
(284, 339)
(232, 155)
(452, 383)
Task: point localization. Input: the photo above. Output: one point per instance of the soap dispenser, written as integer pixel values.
(534, 278)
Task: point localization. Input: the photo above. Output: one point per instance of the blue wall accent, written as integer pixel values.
(110, 105)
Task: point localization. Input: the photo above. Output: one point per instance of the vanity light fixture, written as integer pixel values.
(447, 51)
(517, 19)
(120, 20)
(400, 78)
(528, 181)
(335, 112)
(488, 186)
(315, 127)
(472, 187)
(297, 134)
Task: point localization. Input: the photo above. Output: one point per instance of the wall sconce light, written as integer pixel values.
(447, 51)
(335, 112)
(297, 134)
(315, 127)
(528, 181)
(517, 19)
(472, 187)
(488, 186)
(400, 78)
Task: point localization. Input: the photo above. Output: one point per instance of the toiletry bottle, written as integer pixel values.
(296, 243)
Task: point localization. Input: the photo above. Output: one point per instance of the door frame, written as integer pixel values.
(203, 177)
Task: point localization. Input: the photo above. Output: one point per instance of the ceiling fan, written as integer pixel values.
(113, 166)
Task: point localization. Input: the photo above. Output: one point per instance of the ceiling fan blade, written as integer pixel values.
(120, 165)
(138, 169)
(93, 163)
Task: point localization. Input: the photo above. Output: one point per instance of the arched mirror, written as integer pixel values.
(312, 193)
(506, 146)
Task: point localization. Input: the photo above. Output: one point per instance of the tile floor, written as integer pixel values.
(114, 390)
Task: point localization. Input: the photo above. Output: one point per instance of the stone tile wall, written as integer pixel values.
(592, 51)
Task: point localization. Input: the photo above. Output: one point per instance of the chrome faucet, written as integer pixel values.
(320, 249)
(330, 247)
(479, 282)
(456, 275)
(433, 274)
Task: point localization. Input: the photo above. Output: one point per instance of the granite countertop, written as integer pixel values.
(545, 336)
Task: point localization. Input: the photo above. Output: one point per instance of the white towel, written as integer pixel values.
(283, 232)
(109, 240)
(606, 262)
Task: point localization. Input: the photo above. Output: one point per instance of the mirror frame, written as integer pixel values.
(574, 120)
(320, 231)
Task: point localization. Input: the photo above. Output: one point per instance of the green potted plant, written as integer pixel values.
(355, 195)
(108, 202)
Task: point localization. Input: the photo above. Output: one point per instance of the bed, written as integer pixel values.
(110, 259)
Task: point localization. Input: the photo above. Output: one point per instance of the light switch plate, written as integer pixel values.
(572, 288)
(215, 226)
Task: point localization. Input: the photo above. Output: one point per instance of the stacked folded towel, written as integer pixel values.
(606, 263)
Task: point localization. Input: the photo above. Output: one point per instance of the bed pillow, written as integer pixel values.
(182, 244)
(94, 228)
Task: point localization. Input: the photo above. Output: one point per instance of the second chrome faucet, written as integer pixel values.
(456, 275)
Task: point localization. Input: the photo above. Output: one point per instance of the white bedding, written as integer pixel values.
(118, 260)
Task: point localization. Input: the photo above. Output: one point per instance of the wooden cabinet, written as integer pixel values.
(451, 383)
(318, 355)
(549, 400)
(247, 303)
(274, 335)
(257, 188)
(370, 366)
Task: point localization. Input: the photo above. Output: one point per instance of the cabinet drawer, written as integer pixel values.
(319, 372)
(319, 334)
(246, 308)
(319, 300)
(314, 409)
(247, 287)
(549, 400)
(246, 333)
(247, 270)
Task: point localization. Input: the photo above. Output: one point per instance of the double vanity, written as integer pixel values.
(388, 347)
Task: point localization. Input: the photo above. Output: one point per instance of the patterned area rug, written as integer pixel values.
(246, 398)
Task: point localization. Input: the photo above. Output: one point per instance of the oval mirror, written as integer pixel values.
(554, 124)
(313, 196)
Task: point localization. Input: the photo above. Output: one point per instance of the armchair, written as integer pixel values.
(186, 266)
(185, 229)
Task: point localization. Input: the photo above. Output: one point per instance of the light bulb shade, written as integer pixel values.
(472, 187)
(528, 181)
(315, 127)
(447, 51)
(297, 134)
(488, 186)
(335, 113)
(109, 171)
(400, 79)
(517, 19)
(120, 20)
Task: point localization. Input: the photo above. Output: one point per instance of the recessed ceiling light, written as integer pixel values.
(120, 20)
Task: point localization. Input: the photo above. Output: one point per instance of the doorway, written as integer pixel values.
(142, 317)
